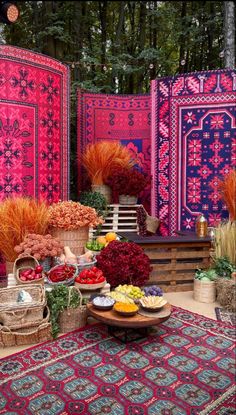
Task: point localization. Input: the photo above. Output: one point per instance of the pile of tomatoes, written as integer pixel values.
(30, 274)
(90, 276)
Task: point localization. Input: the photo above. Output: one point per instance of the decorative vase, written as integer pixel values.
(104, 190)
(127, 200)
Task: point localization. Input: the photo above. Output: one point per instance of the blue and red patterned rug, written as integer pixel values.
(123, 118)
(186, 366)
(193, 145)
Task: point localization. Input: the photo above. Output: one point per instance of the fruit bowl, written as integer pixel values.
(126, 310)
(90, 286)
(67, 281)
(103, 303)
(152, 303)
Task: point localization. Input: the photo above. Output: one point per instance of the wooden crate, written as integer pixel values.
(174, 259)
(121, 218)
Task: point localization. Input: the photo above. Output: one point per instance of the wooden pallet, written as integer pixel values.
(174, 260)
(120, 218)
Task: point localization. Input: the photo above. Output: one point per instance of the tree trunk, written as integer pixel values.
(229, 34)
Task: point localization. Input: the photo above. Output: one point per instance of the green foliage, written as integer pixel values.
(224, 267)
(95, 200)
(57, 300)
(206, 274)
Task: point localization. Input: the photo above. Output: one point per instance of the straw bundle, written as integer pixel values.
(225, 241)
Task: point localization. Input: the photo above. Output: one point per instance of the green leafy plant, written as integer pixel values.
(205, 275)
(95, 200)
(57, 300)
(223, 267)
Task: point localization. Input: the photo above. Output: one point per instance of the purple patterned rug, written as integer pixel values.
(186, 366)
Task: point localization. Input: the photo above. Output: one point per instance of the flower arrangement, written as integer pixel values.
(18, 217)
(39, 246)
(127, 181)
(73, 215)
(101, 158)
(124, 263)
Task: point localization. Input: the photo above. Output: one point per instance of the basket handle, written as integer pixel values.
(69, 296)
(19, 316)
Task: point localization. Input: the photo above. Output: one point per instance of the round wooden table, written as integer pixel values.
(113, 320)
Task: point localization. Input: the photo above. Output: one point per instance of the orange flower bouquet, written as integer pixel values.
(70, 222)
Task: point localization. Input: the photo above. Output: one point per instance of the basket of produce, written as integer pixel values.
(27, 335)
(131, 291)
(86, 261)
(26, 261)
(29, 275)
(103, 303)
(126, 310)
(22, 305)
(152, 303)
(90, 279)
(62, 274)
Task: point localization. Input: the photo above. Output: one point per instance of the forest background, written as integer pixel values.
(120, 46)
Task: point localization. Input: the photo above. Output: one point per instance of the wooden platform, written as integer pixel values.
(120, 218)
(174, 259)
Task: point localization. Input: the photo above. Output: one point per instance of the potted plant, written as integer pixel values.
(205, 285)
(18, 217)
(99, 161)
(124, 263)
(127, 184)
(95, 200)
(70, 221)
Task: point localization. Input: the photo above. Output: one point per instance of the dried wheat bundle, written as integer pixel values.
(101, 158)
(226, 293)
(225, 241)
(227, 188)
(20, 216)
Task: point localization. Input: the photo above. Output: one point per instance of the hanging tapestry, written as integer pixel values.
(193, 145)
(124, 118)
(34, 154)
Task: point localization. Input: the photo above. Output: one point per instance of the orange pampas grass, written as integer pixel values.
(101, 158)
(227, 188)
(20, 216)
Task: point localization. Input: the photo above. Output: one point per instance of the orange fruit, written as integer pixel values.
(101, 240)
(110, 236)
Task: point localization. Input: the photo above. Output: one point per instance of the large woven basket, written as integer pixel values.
(73, 318)
(204, 292)
(104, 190)
(75, 238)
(18, 315)
(31, 335)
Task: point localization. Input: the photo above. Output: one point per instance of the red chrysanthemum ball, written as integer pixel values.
(124, 263)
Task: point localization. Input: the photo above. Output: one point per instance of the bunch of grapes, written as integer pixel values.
(131, 290)
(153, 290)
(141, 220)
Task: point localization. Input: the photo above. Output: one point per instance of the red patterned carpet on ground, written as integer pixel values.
(193, 145)
(123, 118)
(185, 366)
(34, 156)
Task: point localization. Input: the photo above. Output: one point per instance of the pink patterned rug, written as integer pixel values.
(193, 145)
(186, 366)
(34, 133)
(124, 118)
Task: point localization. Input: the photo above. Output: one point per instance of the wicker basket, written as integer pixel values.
(75, 238)
(17, 315)
(19, 281)
(73, 318)
(26, 262)
(204, 292)
(32, 335)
